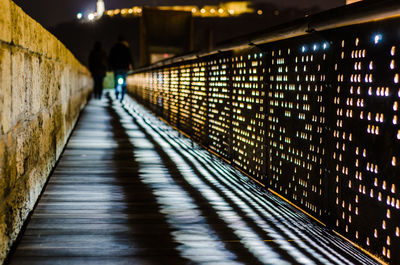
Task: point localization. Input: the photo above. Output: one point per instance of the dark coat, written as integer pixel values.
(98, 62)
(120, 57)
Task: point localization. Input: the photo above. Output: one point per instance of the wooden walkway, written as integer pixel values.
(130, 190)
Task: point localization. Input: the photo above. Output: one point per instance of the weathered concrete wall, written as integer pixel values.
(42, 90)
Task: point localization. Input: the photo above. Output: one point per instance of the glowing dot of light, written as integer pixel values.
(91, 16)
(377, 38)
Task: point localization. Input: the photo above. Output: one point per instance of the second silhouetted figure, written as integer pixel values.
(120, 61)
(98, 68)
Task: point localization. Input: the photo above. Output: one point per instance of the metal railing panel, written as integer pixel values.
(315, 118)
(248, 112)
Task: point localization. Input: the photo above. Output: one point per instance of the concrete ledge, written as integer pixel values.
(42, 90)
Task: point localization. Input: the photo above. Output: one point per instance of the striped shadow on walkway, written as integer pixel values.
(129, 189)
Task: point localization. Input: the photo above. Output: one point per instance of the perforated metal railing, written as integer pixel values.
(314, 118)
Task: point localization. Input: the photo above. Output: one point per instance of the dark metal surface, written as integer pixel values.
(365, 136)
(296, 121)
(219, 116)
(248, 112)
(185, 98)
(199, 99)
(131, 190)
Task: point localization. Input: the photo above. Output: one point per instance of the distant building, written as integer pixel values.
(100, 8)
(164, 33)
(226, 9)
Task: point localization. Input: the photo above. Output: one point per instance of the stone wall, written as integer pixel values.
(42, 90)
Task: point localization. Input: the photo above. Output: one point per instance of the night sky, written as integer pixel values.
(52, 12)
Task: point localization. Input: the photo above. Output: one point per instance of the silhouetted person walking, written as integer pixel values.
(120, 61)
(98, 68)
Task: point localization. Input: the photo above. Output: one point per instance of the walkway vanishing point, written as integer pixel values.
(129, 189)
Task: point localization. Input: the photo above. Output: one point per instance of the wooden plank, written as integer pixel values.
(116, 197)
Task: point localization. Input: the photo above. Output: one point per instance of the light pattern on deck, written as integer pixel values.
(131, 190)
